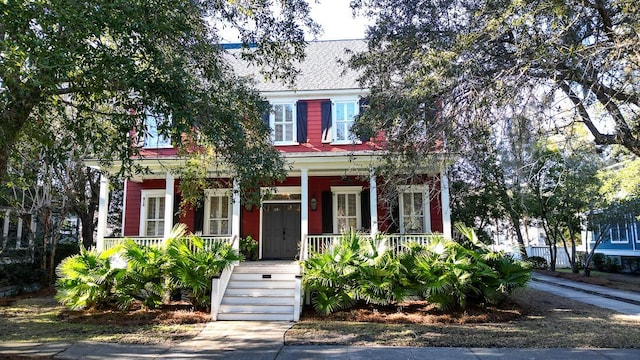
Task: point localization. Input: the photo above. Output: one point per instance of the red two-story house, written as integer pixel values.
(330, 187)
(324, 192)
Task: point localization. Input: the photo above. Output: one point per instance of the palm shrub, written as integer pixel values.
(87, 280)
(330, 275)
(191, 267)
(144, 277)
(453, 275)
(354, 269)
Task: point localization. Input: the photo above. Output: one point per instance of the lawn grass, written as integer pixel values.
(37, 320)
(615, 281)
(550, 322)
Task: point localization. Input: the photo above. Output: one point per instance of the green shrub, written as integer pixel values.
(249, 248)
(129, 273)
(445, 273)
(537, 262)
(87, 280)
(192, 268)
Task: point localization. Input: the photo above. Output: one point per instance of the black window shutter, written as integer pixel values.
(198, 214)
(266, 113)
(327, 212)
(365, 209)
(301, 119)
(394, 226)
(363, 103)
(176, 208)
(325, 111)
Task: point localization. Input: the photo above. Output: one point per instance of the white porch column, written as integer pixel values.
(373, 202)
(33, 226)
(168, 204)
(235, 217)
(446, 210)
(103, 210)
(304, 213)
(19, 233)
(5, 227)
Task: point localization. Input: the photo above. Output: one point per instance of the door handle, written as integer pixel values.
(284, 233)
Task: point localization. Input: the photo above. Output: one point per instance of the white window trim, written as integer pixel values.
(208, 193)
(334, 127)
(165, 144)
(617, 228)
(357, 190)
(144, 195)
(426, 205)
(272, 117)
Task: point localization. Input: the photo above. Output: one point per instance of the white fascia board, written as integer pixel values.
(315, 94)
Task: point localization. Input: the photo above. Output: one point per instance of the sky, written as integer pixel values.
(337, 20)
(334, 16)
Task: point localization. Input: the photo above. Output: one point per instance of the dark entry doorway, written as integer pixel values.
(280, 230)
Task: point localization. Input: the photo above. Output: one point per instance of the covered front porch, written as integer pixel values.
(323, 196)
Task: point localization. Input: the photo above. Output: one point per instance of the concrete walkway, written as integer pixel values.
(265, 340)
(625, 302)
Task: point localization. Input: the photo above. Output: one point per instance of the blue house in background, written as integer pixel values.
(620, 241)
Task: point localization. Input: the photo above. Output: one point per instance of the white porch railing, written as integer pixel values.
(396, 242)
(157, 241)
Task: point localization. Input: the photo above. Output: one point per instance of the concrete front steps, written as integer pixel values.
(261, 290)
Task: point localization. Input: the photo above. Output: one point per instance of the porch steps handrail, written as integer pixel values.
(219, 284)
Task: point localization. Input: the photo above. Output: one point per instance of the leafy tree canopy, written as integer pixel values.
(99, 67)
(481, 60)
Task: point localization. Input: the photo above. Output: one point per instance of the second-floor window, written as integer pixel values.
(344, 114)
(152, 136)
(283, 123)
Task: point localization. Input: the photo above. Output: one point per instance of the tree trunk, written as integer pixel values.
(88, 227)
(515, 221)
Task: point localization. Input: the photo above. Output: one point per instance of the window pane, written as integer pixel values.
(340, 133)
(406, 203)
(289, 114)
(151, 208)
(160, 228)
(340, 112)
(224, 227)
(213, 227)
(225, 207)
(352, 223)
(278, 133)
(151, 228)
(351, 205)
(160, 208)
(342, 225)
(278, 113)
(351, 111)
(341, 204)
(417, 203)
(288, 135)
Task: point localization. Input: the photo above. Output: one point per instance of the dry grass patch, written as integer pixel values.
(615, 281)
(537, 320)
(41, 319)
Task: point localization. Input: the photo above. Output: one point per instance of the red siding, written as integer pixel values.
(436, 204)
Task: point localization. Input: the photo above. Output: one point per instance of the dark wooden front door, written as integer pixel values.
(280, 230)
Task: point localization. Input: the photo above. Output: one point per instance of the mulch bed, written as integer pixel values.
(419, 312)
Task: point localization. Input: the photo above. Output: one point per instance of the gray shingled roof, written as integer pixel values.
(321, 69)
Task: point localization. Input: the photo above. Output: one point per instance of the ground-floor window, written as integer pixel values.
(152, 210)
(217, 212)
(414, 209)
(346, 208)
